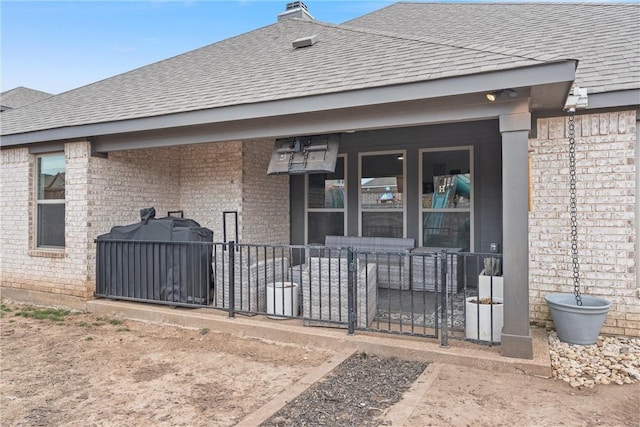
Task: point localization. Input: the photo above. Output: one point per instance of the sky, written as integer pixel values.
(56, 46)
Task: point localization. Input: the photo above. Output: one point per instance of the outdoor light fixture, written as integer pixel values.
(493, 96)
(400, 157)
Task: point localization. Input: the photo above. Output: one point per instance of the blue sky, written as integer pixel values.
(55, 46)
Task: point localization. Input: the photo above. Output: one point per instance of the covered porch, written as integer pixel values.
(417, 122)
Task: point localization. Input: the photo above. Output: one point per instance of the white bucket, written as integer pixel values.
(282, 299)
(484, 331)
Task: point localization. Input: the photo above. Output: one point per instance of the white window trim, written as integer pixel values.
(45, 250)
(307, 209)
(470, 209)
(404, 194)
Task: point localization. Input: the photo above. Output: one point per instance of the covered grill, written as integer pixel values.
(156, 259)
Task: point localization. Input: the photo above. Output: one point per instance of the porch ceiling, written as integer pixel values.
(429, 102)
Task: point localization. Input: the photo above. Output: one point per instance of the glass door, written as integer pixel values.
(447, 198)
(382, 194)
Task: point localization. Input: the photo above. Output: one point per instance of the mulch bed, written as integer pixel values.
(356, 393)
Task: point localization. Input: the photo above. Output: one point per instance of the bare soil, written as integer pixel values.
(87, 370)
(93, 371)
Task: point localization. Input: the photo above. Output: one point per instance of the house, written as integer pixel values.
(19, 97)
(407, 89)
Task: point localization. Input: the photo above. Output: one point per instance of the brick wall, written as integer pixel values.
(606, 189)
(210, 179)
(202, 180)
(265, 199)
(231, 176)
(63, 272)
(125, 182)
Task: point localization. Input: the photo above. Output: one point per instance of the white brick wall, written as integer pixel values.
(232, 176)
(125, 182)
(58, 272)
(203, 180)
(210, 180)
(606, 176)
(265, 199)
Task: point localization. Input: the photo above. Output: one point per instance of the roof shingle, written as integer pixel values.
(402, 43)
(605, 38)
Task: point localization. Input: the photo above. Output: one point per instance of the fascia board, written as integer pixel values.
(548, 73)
(415, 113)
(623, 98)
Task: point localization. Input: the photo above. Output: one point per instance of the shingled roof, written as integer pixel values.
(20, 96)
(605, 38)
(380, 49)
(259, 66)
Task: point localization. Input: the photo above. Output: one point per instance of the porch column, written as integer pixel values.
(516, 335)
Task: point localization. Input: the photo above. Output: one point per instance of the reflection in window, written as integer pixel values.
(381, 195)
(50, 195)
(325, 204)
(446, 199)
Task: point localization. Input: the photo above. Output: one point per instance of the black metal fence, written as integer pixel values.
(434, 293)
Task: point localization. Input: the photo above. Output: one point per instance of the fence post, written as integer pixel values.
(444, 306)
(232, 278)
(350, 295)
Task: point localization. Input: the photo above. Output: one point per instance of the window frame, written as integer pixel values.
(402, 153)
(308, 210)
(39, 202)
(470, 209)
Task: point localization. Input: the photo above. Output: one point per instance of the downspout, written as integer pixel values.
(577, 99)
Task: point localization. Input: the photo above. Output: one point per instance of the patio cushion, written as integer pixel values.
(388, 253)
(325, 292)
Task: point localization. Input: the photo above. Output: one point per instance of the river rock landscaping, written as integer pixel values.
(611, 360)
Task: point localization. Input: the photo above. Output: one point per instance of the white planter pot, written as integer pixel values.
(480, 326)
(485, 283)
(282, 300)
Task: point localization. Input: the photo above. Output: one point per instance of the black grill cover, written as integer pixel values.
(155, 266)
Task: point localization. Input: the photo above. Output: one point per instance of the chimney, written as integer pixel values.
(295, 9)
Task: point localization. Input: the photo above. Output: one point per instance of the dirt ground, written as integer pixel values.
(87, 370)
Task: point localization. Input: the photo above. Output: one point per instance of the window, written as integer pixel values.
(447, 196)
(382, 194)
(326, 204)
(50, 192)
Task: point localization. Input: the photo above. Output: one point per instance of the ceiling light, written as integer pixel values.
(493, 96)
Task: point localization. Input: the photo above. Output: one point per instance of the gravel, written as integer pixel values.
(356, 393)
(612, 360)
(363, 387)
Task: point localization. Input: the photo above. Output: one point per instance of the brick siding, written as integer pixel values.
(265, 199)
(606, 191)
(202, 180)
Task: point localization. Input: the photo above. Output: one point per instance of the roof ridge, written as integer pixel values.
(435, 41)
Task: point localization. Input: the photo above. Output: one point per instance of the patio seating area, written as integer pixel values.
(398, 291)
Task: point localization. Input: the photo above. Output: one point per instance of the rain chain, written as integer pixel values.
(573, 207)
